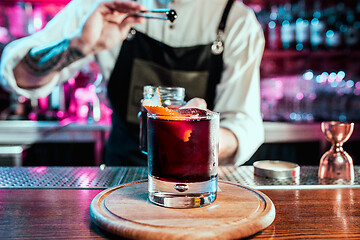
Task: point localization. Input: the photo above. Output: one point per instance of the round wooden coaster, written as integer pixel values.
(237, 212)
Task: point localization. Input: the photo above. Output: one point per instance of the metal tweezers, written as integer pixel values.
(169, 13)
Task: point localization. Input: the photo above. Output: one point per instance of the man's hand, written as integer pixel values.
(228, 143)
(196, 103)
(107, 25)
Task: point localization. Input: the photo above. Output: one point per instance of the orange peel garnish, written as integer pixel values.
(154, 106)
(160, 110)
(187, 135)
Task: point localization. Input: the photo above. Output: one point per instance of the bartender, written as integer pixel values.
(213, 49)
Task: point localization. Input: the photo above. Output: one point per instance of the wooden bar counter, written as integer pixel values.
(302, 212)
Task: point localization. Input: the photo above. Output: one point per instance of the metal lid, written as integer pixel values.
(276, 169)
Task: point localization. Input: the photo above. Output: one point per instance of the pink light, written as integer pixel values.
(79, 93)
(340, 76)
(38, 24)
(83, 111)
(43, 103)
(92, 88)
(257, 8)
(4, 35)
(312, 96)
(32, 116)
(60, 114)
(38, 169)
(278, 84)
(357, 85)
(39, 18)
(66, 121)
(84, 179)
(22, 99)
(86, 94)
(105, 114)
(71, 81)
(299, 96)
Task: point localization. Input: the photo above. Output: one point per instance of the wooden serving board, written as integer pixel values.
(237, 212)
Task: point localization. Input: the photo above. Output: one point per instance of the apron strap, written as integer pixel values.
(217, 63)
(225, 15)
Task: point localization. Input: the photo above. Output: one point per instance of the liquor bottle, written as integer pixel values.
(333, 33)
(302, 28)
(287, 27)
(317, 28)
(274, 30)
(351, 35)
(354, 34)
(263, 18)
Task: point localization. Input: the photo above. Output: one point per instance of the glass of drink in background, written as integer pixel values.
(183, 158)
(172, 97)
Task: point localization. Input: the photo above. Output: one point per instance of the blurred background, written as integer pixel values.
(309, 73)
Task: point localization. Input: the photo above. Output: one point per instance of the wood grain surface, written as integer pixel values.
(237, 212)
(64, 214)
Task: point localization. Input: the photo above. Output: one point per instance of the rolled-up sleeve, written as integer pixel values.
(65, 24)
(238, 94)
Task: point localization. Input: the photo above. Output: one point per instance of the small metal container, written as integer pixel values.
(276, 169)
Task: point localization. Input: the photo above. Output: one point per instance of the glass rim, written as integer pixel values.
(164, 87)
(209, 115)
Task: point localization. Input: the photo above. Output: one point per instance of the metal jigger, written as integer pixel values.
(336, 163)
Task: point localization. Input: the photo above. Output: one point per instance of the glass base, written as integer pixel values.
(182, 195)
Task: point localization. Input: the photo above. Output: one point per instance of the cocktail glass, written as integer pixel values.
(183, 158)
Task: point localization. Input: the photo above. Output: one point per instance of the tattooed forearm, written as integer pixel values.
(41, 62)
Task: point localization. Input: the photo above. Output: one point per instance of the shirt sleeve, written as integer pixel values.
(238, 94)
(65, 24)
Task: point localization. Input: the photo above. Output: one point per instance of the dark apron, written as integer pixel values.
(145, 61)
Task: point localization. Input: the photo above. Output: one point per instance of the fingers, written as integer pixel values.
(196, 103)
(132, 19)
(120, 12)
(118, 18)
(123, 7)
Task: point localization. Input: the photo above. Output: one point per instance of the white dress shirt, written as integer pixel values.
(237, 94)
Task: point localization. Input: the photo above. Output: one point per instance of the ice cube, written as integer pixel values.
(193, 112)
